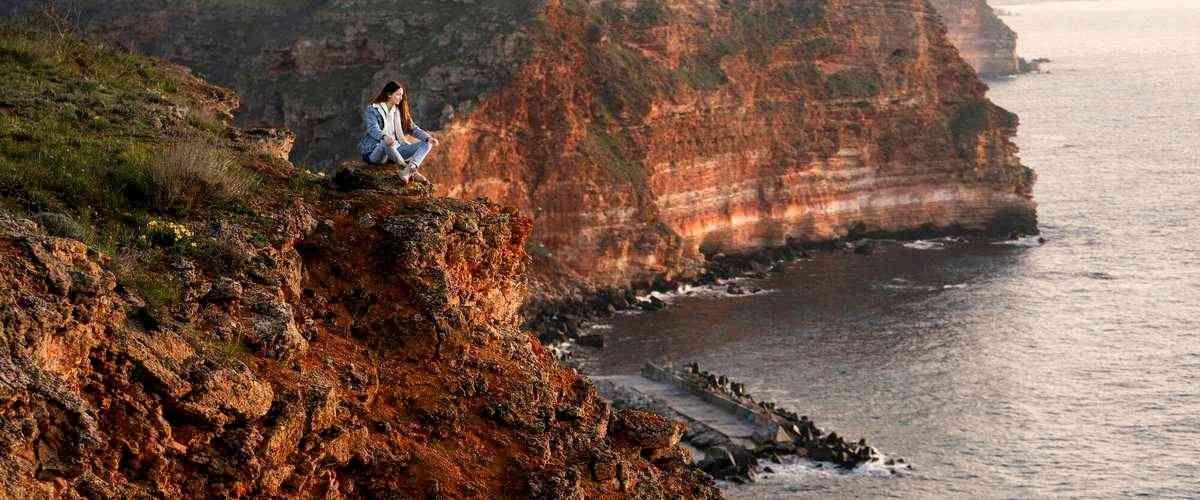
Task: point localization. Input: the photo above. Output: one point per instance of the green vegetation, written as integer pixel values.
(304, 183)
(803, 74)
(649, 13)
(60, 225)
(131, 156)
(701, 73)
(536, 248)
(202, 120)
(159, 290)
(94, 141)
(632, 80)
(852, 83)
(969, 120)
(759, 28)
(190, 172)
(818, 47)
(223, 352)
(601, 147)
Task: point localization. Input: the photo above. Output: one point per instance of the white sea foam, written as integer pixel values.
(925, 245)
(1026, 241)
(903, 284)
(562, 350)
(718, 290)
(795, 470)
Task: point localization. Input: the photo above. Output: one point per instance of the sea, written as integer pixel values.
(1002, 369)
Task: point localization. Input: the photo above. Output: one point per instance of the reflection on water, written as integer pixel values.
(1070, 369)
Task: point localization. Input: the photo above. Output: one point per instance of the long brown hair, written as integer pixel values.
(406, 121)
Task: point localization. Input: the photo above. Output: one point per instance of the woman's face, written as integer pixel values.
(396, 96)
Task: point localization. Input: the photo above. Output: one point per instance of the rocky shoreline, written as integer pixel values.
(779, 434)
(561, 319)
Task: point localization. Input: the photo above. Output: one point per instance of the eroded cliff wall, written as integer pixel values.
(982, 38)
(642, 138)
(642, 135)
(294, 341)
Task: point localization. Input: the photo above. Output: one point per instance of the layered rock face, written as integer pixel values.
(646, 138)
(640, 136)
(982, 38)
(313, 343)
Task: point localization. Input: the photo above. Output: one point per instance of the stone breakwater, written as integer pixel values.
(761, 433)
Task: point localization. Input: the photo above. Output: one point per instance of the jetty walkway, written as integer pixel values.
(685, 405)
(728, 430)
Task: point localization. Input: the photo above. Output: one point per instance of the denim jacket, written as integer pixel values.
(373, 122)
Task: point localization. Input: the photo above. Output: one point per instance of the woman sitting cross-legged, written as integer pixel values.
(387, 121)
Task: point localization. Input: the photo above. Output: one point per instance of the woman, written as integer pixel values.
(387, 121)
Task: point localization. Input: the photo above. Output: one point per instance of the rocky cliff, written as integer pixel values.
(982, 38)
(183, 314)
(640, 136)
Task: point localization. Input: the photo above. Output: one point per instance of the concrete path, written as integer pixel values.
(686, 404)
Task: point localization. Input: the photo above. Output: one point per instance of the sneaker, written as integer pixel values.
(416, 176)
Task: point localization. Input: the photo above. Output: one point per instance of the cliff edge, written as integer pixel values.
(185, 314)
(982, 38)
(641, 137)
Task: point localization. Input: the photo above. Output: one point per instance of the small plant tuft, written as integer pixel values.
(853, 83)
(60, 225)
(193, 171)
(160, 291)
(166, 234)
(535, 248)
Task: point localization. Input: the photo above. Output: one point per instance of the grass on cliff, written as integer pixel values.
(759, 28)
(602, 147)
(118, 150)
(102, 135)
(853, 84)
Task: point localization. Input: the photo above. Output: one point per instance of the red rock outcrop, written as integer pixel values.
(97, 404)
(640, 136)
(316, 343)
(982, 38)
(641, 145)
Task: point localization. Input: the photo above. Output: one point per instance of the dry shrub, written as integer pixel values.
(194, 171)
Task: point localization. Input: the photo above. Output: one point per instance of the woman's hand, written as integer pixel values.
(389, 140)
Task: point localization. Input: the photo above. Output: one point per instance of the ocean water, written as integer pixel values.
(1070, 369)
